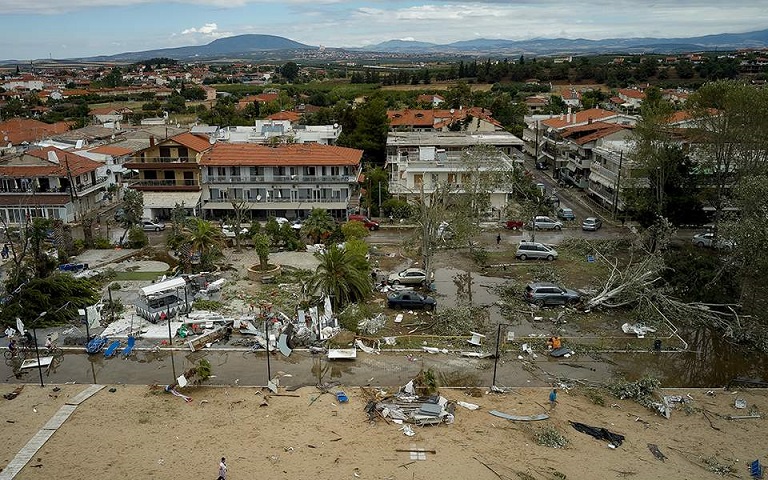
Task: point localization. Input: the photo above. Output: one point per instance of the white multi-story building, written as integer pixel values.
(49, 183)
(422, 161)
(286, 180)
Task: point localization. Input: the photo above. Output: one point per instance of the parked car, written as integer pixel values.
(282, 220)
(229, 231)
(707, 240)
(528, 250)
(544, 293)
(514, 224)
(409, 276)
(542, 165)
(553, 200)
(566, 213)
(150, 226)
(369, 224)
(296, 225)
(591, 224)
(73, 267)
(408, 299)
(546, 223)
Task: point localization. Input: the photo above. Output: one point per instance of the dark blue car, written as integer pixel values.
(410, 299)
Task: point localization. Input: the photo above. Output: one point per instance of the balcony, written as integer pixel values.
(166, 185)
(324, 179)
(163, 160)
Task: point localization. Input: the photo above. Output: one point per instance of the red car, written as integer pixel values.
(514, 225)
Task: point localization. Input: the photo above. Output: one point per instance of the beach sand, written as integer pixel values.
(140, 432)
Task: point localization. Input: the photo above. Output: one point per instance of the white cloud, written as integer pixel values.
(209, 29)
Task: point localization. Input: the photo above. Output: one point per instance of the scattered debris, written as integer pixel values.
(520, 418)
(638, 329)
(740, 403)
(468, 406)
(599, 433)
(656, 452)
(551, 437)
(15, 393)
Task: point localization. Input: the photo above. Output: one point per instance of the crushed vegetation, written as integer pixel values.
(550, 436)
(642, 391)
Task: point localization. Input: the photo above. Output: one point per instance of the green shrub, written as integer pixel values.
(137, 238)
(102, 243)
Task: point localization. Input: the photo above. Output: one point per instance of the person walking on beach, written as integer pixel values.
(552, 399)
(222, 469)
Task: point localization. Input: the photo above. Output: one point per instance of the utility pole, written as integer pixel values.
(617, 186)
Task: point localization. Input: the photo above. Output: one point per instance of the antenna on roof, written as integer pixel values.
(52, 157)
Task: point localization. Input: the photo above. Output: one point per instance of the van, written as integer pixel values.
(369, 224)
(528, 250)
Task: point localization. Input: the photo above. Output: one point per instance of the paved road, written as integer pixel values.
(303, 368)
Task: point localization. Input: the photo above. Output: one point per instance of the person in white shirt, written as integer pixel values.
(222, 469)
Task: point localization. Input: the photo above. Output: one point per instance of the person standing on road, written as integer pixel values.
(222, 469)
(552, 399)
(498, 238)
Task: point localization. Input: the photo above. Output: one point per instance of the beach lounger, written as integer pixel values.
(112, 348)
(129, 348)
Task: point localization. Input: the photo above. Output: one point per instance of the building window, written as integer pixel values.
(310, 171)
(418, 179)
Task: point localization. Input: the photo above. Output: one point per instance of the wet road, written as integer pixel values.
(303, 368)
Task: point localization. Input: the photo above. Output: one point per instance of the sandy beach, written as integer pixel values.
(140, 432)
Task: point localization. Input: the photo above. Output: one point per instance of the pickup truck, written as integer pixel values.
(514, 224)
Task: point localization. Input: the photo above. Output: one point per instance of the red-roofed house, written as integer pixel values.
(261, 98)
(470, 120)
(110, 114)
(434, 99)
(633, 98)
(48, 183)
(169, 174)
(287, 180)
(17, 131)
(292, 117)
(576, 150)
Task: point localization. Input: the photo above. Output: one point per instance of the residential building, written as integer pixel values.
(287, 180)
(422, 161)
(273, 132)
(49, 183)
(22, 131)
(434, 99)
(610, 166)
(169, 174)
(472, 120)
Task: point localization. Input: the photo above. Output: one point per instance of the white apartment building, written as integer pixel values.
(273, 131)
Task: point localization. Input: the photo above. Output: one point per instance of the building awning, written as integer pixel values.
(171, 199)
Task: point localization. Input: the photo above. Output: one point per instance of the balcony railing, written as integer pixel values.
(162, 160)
(281, 179)
(165, 183)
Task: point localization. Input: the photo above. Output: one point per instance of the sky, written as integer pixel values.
(36, 29)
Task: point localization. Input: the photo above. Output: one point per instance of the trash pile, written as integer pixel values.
(407, 407)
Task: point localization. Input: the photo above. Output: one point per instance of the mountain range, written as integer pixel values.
(259, 47)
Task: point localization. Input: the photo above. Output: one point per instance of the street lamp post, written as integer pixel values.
(496, 357)
(170, 342)
(37, 350)
(266, 334)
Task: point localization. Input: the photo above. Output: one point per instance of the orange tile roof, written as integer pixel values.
(632, 93)
(20, 130)
(291, 154)
(285, 115)
(40, 200)
(113, 150)
(189, 140)
(436, 118)
(408, 117)
(69, 164)
(578, 117)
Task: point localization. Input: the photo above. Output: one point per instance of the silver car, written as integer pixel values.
(409, 276)
(546, 223)
(528, 250)
(150, 226)
(708, 240)
(591, 224)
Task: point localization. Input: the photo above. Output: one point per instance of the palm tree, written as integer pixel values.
(318, 225)
(203, 238)
(342, 275)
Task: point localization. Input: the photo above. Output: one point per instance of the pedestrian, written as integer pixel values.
(552, 399)
(222, 469)
(498, 238)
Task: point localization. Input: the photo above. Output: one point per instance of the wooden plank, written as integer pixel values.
(85, 395)
(25, 454)
(59, 417)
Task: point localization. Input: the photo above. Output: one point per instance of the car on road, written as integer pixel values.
(528, 250)
(150, 226)
(591, 224)
(409, 276)
(73, 267)
(566, 213)
(369, 224)
(410, 299)
(514, 224)
(545, 223)
(708, 240)
(545, 293)
(542, 165)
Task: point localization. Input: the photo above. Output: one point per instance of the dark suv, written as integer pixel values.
(543, 293)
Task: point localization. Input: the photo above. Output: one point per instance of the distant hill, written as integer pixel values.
(237, 46)
(563, 46)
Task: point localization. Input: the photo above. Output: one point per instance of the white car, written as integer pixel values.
(229, 231)
(546, 223)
